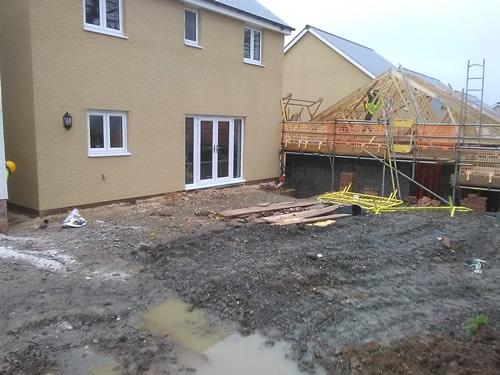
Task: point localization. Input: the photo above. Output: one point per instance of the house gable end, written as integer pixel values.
(313, 70)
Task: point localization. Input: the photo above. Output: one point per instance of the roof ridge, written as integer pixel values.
(422, 74)
(336, 36)
(231, 6)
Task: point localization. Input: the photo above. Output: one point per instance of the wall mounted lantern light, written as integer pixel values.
(67, 120)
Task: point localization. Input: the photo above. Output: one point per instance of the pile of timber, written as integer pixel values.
(286, 213)
(475, 202)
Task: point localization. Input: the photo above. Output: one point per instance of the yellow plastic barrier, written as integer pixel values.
(378, 205)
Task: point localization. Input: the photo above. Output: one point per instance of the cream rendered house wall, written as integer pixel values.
(158, 80)
(312, 70)
(4, 227)
(17, 98)
(3, 171)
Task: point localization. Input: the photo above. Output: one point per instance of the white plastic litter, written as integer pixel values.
(74, 220)
(477, 265)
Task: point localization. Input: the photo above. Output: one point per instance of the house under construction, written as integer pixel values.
(447, 143)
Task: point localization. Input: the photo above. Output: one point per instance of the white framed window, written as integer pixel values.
(191, 28)
(103, 16)
(252, 46)
(107, 133)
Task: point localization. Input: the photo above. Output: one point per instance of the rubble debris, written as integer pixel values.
(174, 197)
(412, 200)
(44, 224)
(205, 213)
(475, 202)
(428, 202)
(448, 243)
(269, 186)
(314, 256)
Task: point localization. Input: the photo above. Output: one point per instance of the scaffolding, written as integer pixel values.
(440, 127)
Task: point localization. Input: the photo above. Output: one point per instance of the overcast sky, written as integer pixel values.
(434, 37)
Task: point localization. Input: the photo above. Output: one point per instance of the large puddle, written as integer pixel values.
(191, 329)
(217, 352)
(247, 356)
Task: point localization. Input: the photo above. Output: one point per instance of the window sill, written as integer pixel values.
(188, 43)
(109, 154)
(109, 32)
(252, 62)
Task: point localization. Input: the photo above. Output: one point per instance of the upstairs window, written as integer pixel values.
(252, 46)
(107, 133)
(104, 16)
(191, 27)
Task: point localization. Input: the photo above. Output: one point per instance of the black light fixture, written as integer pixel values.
(67, 120)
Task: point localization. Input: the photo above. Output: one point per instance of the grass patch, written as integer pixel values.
(473, 324)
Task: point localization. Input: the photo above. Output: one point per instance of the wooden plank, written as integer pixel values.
(310, 220)
(241, 212)
(301, 215)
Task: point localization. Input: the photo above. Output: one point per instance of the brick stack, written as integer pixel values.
(428, 202)
(412, 200)
(475, 202)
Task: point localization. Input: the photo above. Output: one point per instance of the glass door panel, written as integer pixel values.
(189, 149)
(237, 154)
(223, 149)
(206, 150)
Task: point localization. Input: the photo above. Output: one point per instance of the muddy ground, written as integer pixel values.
(385, 287)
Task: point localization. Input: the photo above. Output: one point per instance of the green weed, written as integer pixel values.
(472, 324)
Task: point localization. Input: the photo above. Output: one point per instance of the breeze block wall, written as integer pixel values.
(312, 175)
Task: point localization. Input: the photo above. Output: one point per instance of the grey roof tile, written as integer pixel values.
(425, 77)
(364, 56)
(253, 7)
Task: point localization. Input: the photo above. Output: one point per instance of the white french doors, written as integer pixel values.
(214, 151)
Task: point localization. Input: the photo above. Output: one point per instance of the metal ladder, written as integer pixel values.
(473, 91)
(467, 98)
